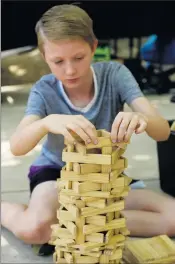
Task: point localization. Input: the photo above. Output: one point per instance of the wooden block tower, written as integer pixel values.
(91, 193)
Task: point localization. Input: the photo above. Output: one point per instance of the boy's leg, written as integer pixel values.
(32, 224)
(149, 214)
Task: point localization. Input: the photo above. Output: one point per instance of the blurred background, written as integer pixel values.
(140, 35)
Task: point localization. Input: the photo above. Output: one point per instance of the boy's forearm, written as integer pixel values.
(25, 140)
(158, 128)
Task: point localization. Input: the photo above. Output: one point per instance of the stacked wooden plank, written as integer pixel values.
(155, 250)
(91, 192)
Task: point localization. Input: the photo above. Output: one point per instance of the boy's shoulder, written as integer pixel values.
(106, 66)
(48, 80)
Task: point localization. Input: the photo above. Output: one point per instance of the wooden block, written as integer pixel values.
(60, 184)
(68, 185)
(98, 203)
(89, 211)
(126, 162)
(106, 150)
(113, 167)
(173, 126)
(128, 180)
(89, 199)
(109, 235)
(60, 260)
(91, 177)
(67, 248)
(106, 187)
(98, 249)
(94, 151)
(104, 259)
(96, 220)
(80, 222)
(109, 217)
(116, 154)
(106, 168)
(85, 186)
(124, 231)
(68, 257)
(71, 209)
(80, 148)
(159, 249)
(65, 215)
(88, 246)
(89, 158)
(88, 168)
(103, 142)
(98, 194)
(57, 258)
(60, 254)
(63, 242)
(117, 214)
(108, 252)
(76, 168)
(110, 201)
(99, 133)
(117, 223)
(125, 192)
(120, 164)
(69, 165)
(80, 204)
(115, 174)
(67, 199)
(114, 240)
(93, 254)
(117, 231)
(96, 237)
(119, 182)
(86, 260)
(70, 226)
(117, 190)
(117, 255)
(62, 233)
(105, 133)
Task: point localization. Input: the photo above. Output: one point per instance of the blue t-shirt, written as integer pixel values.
(114, 85)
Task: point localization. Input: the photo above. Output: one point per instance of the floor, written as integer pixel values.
(141, 154)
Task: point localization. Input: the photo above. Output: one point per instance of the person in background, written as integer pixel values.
(80, 97)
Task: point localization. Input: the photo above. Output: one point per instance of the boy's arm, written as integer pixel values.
(144, 116)
(28, 133)
(157, 127)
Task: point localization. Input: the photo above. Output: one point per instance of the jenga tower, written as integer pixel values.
(91, 193)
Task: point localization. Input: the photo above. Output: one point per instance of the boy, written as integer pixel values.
(79, 97)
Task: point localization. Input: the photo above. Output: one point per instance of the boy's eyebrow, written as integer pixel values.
(59, 58)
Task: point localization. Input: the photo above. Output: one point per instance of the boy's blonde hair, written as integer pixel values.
(64, 22)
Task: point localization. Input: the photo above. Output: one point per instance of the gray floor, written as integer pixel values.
(141, 154)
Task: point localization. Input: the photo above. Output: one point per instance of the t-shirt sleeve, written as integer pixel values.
(35, 104)
(127, 85)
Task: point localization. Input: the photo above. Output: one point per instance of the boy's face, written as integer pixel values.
(69, 60)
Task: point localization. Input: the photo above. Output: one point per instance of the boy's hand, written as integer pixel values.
(127, 123)
(63, 124)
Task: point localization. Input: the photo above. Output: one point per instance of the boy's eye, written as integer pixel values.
(58, 62)
(79, 58)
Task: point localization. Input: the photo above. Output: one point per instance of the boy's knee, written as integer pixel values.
(170, 226)
(38, 232)
(168, 223)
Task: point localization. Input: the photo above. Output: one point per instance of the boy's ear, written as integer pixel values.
(94, 46)
(42, 55)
